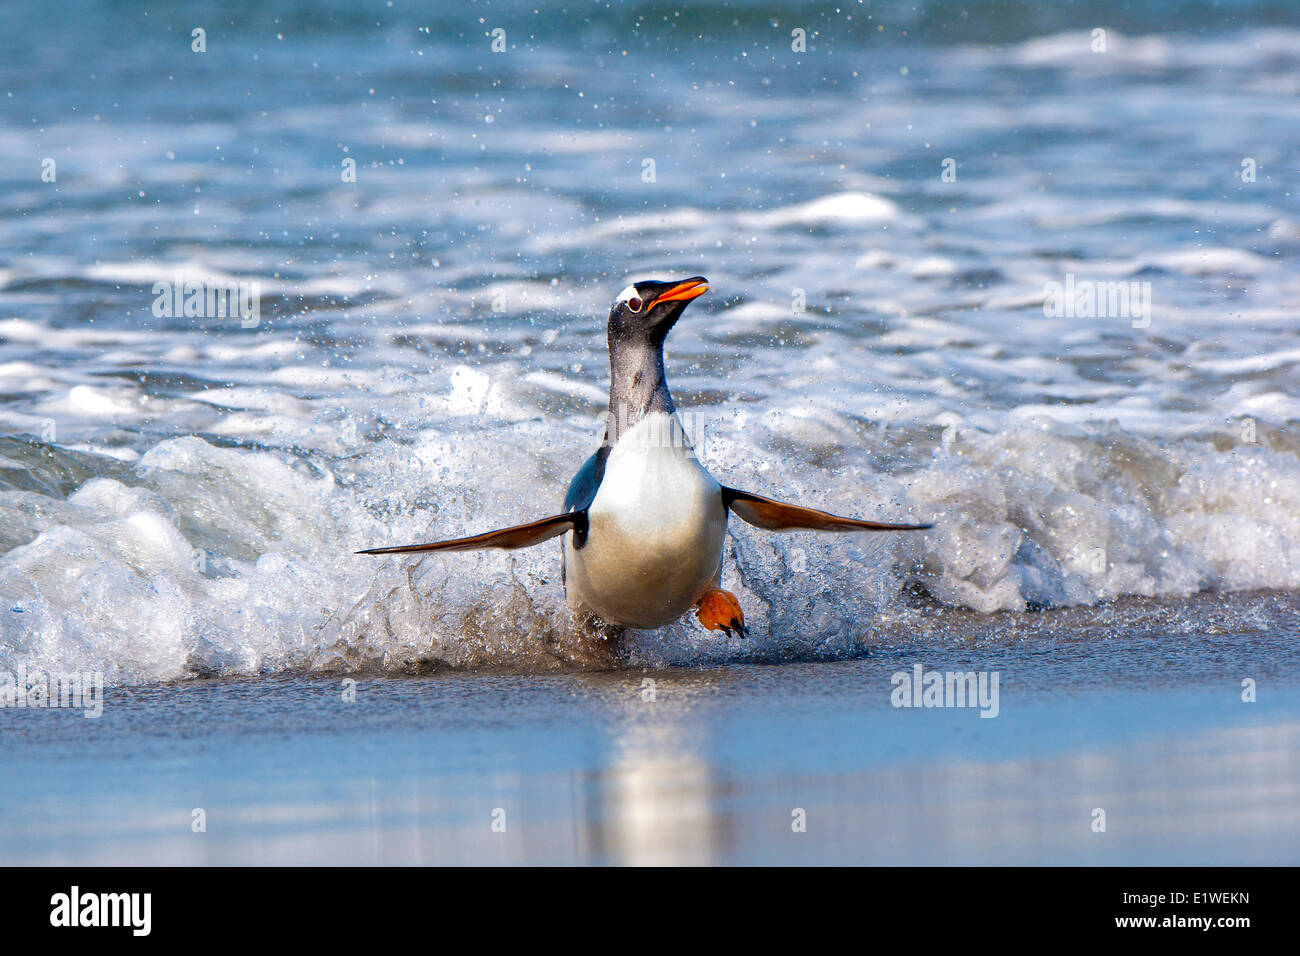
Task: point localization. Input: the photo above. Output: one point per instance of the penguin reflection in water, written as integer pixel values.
(644, 522)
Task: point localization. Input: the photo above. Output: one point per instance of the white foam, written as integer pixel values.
(863, 208)
(1080, 49)
(124, 579)
(90, 402)
(1212, 261)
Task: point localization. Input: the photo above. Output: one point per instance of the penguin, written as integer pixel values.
(644, 522)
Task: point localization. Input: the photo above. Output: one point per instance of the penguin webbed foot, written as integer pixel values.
(719, 610)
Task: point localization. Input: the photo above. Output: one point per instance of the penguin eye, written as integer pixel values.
(634, 304)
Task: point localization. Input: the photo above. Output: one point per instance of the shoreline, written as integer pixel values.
(1151, 727)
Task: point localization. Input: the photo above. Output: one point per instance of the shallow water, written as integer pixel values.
(709, 768)
(181, 496)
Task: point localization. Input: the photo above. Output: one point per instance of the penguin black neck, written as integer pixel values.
(637, 386)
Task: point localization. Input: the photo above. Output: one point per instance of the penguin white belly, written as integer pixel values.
(655, 530)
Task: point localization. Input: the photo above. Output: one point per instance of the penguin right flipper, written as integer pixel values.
(585, 484)
(581, 493)
(778, 516)
(520, 536)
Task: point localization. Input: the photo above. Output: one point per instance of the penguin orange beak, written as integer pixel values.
(685, 291)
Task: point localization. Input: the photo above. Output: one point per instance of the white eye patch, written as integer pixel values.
(631, 298)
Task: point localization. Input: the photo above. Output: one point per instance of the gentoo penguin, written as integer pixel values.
(643, 521)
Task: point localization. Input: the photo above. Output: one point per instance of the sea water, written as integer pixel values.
(972, 269)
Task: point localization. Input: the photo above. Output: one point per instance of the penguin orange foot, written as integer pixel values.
(719, 610)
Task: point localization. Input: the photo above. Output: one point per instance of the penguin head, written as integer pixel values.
(645, 311)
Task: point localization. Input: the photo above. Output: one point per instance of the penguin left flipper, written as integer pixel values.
(519, 536)
(778, 516)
